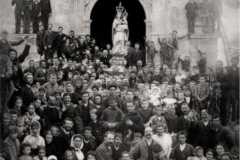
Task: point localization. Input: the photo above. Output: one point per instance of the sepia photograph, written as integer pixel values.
(119, 79)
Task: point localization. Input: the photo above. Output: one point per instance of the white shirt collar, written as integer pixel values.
(205, 123)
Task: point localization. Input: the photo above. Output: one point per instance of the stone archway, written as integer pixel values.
(89, 7)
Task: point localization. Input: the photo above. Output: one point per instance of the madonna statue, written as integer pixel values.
(120, 31)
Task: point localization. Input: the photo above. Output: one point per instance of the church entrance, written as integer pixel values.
(103, 14)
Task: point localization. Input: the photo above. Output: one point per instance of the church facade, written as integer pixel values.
(161, 18)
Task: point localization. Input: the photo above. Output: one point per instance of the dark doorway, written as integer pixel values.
(103, 14)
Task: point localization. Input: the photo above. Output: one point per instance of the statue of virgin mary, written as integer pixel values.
(120, 31)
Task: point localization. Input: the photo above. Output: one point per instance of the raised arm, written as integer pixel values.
(24, 54)
(16, 43)
(182, 37)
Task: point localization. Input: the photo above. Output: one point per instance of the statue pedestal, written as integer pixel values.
(118, 64)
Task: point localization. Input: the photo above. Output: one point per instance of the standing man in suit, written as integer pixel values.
(192, 9)
(233, 74)
(41, 74)
(48, 42)
(39, 40)
(60, 39)
(18, 14)
(46, 11)
(36, 10)
(27, 13)
(129, 55)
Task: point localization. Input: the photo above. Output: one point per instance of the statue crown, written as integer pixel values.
(120, 8)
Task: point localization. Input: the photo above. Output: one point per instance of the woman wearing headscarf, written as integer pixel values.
(76, 146)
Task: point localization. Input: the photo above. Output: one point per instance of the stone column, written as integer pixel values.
(88, 26)
(77, 16)
(148, 24)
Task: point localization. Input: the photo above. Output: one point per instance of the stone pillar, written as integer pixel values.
(88, 26)
(148, 24)
(77, 16)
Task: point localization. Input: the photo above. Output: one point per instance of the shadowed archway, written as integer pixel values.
(103, 14)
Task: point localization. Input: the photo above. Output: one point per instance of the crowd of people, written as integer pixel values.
(65, 106)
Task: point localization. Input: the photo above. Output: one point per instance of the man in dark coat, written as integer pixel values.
(68, 69)
(117, 147)
(39, 40)
(89, 141)
(18, 14)
(137, 55)
(186, 121)
(60, 38)
(233, 92)
(221, 135)
(157, 76)
(36, 9)
(27, 13)
(41, 74)
(223, 79)
(129, 55)
(192, 9)
(105, 58)
(132, 120)
(51, 112)
(48, 42)
(66, 133)
(202, 62)
(204, 130)
(26, 91)
(30, 68)
(46, 11)
(84, 108)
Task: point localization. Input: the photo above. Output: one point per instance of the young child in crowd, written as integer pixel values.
(202, 92)
(169, 98)
(34, 139)
(145, 112)
(22, 128)
(158, 118)
(14, 115)
(31, 115)
(96, 127)
(199, 154)
(181, 100)
(41, 154)
(26, 151)
(50, 146)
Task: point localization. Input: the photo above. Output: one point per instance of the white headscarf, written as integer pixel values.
(78, 151)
